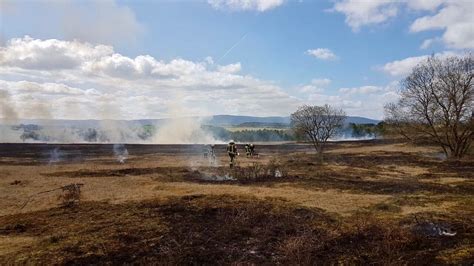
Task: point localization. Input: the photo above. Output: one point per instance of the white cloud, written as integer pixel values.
(258, 5)
(93, 75)
(361, 90)
(335, 100)
(403, 67)
(430, 5)
(361, 13)
(101, 79)
(28, 87)
(456, 19)
(453, 17)
(231, 68)
(367, 101)
(32, 53)
(316, 86)
(322, 53)
(427, 43)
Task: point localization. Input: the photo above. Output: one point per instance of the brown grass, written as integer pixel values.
(358, 206)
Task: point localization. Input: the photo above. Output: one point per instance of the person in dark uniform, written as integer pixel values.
(232, 151)
(252, 150)
(247, 150)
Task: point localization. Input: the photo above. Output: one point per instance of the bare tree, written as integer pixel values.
(436, 101)
(317, 124)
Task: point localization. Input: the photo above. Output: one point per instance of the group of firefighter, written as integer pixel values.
(233, 152)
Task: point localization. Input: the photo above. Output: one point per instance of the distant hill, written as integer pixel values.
(227, 120)
(262, 125)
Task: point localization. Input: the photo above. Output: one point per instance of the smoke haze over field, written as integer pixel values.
(8, 116)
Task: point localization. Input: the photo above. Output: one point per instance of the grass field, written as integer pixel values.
(374, 202)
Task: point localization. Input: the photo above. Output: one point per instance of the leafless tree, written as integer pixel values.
(436, 101)
(317, 124)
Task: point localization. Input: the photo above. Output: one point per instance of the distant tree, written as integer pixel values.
(366, 130)
(317, 124)
(436, 101)
(380, 129)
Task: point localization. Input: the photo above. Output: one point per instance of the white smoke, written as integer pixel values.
(179, 129)
(113, 130)
(55, 156)
(8, 117)
(120, 152)
(182, 131)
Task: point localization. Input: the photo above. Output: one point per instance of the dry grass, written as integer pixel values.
(361, 201)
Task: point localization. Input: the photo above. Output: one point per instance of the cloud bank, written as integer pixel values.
(79, 78)
(453, 18)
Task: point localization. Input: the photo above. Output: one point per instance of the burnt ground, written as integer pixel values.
(220, 230)
(370, 202)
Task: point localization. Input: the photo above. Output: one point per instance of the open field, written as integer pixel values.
(376, 202)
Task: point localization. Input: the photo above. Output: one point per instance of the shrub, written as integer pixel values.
(71, 195)
(259, 172)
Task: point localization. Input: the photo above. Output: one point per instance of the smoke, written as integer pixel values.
(8, 117)
(179, 129)
(55, 156)
(350, 137)
(120, 152)
(182, 131)
(7, 109)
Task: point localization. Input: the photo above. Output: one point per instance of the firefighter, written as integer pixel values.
(247, 150)
(232, 151)
(212, 152)
(252, 150)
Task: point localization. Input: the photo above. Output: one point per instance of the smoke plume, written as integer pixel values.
(120, 152)
(8, 117)
(179, 129)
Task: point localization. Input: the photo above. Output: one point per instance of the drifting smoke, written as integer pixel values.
(120, 152)
(8, 117)
(7, 109)
(350, 137)
(181, 130)
(55, 156)
(226, 177)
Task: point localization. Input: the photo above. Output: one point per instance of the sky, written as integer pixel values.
(115, 59)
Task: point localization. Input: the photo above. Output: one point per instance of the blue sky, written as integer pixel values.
(249, 57)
